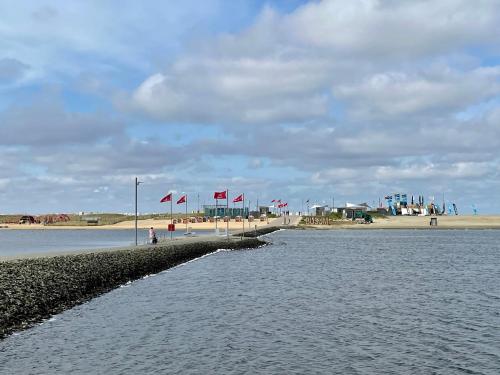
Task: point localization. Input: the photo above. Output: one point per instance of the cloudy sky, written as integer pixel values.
(287, 99)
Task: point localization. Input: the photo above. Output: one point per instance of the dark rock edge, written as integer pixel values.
(32, 290)
(258, 232)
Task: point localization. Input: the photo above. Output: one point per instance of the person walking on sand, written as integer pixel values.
(152, 236)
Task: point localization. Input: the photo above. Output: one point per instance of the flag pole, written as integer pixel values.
(227, 211)
(136, 184)
(249, 214)
(215, 216)
(171, 216)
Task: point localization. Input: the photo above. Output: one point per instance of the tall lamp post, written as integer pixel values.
(137, 182)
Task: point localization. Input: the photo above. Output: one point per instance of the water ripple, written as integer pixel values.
(347, 302)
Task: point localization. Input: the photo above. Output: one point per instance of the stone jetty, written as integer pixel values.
(252, 233)
(33, 289)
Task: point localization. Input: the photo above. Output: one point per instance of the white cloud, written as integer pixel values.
(57, 38)
(356, 96)
(11, 70)
(460, 170)
(243, 90)
(388, 28)
(401, 94)
(46, 123)
(369, 51)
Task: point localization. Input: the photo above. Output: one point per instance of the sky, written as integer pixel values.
(344, 100)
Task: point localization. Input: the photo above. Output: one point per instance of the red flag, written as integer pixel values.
(274, 200)
(166, 198)
(279, 201)
(238, 199)
(280, 205)
(182, 200)
(220, 195)
(286, 204)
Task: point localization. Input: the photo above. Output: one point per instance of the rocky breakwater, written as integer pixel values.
(253, 233)
(33, 289)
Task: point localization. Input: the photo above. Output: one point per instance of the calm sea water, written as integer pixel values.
(26, 241)
(346, 302)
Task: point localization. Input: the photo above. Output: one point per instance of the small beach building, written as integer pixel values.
(319, 210)
(222, 211)
(350, 209)
(264, 210)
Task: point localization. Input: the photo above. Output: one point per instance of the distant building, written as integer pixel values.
(318, 210)
(350, 209)
(264, 210)
(211, 211)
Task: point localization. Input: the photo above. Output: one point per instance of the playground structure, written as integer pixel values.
(51, 219)
(32, 219)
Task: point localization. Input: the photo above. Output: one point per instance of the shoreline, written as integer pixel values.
(34, 288)
(416, 223)
(146, 224)
(389, 222)
(326, 227)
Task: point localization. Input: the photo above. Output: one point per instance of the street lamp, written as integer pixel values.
(137, 182)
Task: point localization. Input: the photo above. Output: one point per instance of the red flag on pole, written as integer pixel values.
(182, 200)
(285, 204)
(166, 198)
(238, 199)
(220, 195)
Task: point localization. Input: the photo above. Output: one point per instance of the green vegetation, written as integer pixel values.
(93, 218)
(102, 219)
(377, 215)
(10, 219)
(335, 216)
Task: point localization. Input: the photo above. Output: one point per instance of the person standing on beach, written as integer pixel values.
(152, 236)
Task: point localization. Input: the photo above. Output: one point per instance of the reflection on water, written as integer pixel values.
(348, 302)
(26, 241)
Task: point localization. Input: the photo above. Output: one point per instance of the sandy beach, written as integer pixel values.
(157, 224)
(420, 222)
(390, 222)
